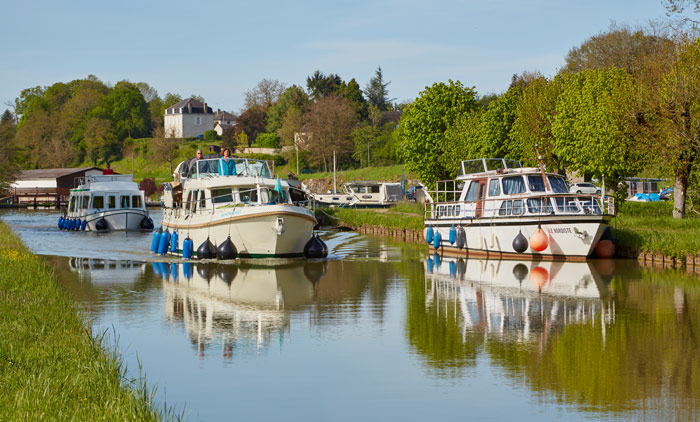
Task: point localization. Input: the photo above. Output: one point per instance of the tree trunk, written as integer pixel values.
(679, 187)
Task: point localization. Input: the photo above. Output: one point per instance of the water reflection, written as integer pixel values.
(237, 309)
(107, 271)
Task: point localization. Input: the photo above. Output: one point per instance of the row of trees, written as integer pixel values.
(83, 120)
(626, 103)
(333, 116)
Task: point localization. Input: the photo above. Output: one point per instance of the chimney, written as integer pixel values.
(189, 107)
(205, 108)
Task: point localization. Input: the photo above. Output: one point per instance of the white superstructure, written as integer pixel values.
(362, 194)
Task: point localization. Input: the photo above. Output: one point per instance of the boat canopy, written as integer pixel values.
(244, 167)
(483, 165)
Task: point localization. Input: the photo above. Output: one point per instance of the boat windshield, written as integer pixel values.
(558, 184)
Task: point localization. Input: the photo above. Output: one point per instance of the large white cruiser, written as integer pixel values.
(106, 202)
(498, 209)
(251, 208)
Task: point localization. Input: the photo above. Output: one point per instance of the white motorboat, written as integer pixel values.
(250, 209)
(362, 194)
(498, 209)
(106, 202)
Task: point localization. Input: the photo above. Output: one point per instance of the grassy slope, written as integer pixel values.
(50, 365)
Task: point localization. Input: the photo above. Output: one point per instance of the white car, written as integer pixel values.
(584, 187)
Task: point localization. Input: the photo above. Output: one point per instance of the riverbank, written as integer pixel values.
(51, 367)
(643, 231)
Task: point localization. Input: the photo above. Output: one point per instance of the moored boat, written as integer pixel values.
(362, 194)
(247, 214)
(498, 209)
(106, 202)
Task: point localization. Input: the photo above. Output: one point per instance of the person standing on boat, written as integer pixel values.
(190, 167)
(227, 167)
(107, 170)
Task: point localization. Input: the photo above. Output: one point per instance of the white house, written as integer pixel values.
(188, 118)
(223, 121)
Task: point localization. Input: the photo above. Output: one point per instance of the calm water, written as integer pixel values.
(382, 331)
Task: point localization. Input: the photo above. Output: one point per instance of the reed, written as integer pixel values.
(51, 366)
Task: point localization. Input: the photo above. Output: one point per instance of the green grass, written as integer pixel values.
(649, 227)
(51, 367)
(392, 217)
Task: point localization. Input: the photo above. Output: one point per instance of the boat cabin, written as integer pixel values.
(104, 193)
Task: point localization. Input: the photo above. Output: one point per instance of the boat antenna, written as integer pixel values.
(541, 166)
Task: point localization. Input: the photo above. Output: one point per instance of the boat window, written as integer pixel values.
(482, 190)
(558, 184)
(513, 184)
(494, 187)
(539, 206)
(112, 201)
(71, 206)
(191, 201)
(457, 209)
(125, 201)
(202, 199)
(136, 201)
(221, 196)
(536, 183)
(567, 204)
(258, 168)
(209, 166)
(473, 189)
(506, 208)
(249, 195)
(518, 208)
(273, 197)
(98, 201)
(86, 202)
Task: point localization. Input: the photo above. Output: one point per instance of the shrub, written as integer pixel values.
(148, 186)
(268, 140)
(211, 136)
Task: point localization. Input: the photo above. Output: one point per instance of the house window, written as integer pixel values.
(198, 120)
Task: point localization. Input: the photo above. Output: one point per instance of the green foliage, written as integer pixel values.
(385, 218)
(8, 151)
(497, 137)
(320, 85)
(268, 140)
(293, 97)
(424, 123)
(594, 127)
(464, 141)
(278, 159)
(353, 93)
(127, 110)
(211, 136)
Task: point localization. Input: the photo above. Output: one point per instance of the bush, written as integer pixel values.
(268, 140)
(211, 136)
(148, 186)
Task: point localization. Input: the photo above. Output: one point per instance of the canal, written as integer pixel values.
(383, 331)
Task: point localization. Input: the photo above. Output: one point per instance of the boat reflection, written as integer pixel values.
(239, 308)
(107, 271)
(518, 299)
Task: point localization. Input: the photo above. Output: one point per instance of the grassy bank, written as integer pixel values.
(650, 227)
(405, 215)
(50, 365)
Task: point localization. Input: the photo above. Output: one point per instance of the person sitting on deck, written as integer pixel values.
(227, 167)
(107, 170)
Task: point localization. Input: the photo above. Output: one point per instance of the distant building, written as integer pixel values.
(48, 185)
(188, 118)
(223, 121)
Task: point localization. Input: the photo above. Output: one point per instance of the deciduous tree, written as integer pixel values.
(100, 141)
(320, 85)
(330, 122)
(265, 93)
(423, 125)
(295, 97)
(164, 147)
(8, 151)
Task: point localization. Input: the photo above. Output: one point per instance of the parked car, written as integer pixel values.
(584, 187)
(414, 192)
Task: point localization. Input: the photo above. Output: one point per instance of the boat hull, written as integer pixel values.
(570, 237)
(120, 219)
(257, 232)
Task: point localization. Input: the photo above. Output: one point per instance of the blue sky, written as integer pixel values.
(220, 49)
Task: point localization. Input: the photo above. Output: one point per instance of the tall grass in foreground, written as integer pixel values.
(51, 367)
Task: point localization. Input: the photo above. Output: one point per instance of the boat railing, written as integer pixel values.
(485, 165)
(244, 167)
(521, 205)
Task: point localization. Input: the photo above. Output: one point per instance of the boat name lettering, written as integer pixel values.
(561, 230)
(230, 213)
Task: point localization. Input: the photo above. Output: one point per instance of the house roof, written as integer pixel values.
(52, 173)
(222, 115)
(189, 106)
